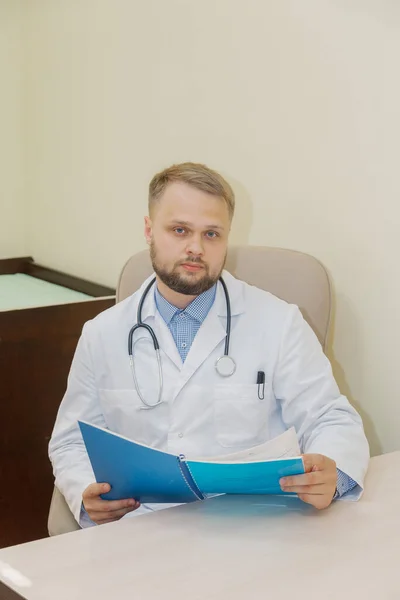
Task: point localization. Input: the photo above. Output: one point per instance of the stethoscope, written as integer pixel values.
(225, 365)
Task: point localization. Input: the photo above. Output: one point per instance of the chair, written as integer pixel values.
(293, 276)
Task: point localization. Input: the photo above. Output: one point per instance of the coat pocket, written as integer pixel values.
(239, 415)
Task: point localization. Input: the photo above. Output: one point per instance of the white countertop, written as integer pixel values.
(228, 547)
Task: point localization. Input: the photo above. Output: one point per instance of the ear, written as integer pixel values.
(148, 229)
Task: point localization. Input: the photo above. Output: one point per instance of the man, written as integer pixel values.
(200, 412)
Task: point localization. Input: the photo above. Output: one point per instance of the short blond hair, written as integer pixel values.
(194, 174)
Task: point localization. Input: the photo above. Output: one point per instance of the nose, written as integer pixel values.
(195, 246)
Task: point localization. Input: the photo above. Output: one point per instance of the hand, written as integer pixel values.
(105, 511)
(318, 484)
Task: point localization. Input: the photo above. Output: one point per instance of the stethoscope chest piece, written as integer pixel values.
(225, 366)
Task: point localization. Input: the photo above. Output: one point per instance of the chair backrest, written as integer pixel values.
(61, 519)
(292, 276)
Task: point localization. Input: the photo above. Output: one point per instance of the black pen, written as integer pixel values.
(261, 384)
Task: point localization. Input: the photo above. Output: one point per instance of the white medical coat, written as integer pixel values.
(204, 414)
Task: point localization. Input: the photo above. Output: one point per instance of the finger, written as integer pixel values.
(314, 462)
(99, 505)
(104, 521)
(319, 502)
(318, 490)
(313, 478)
(100, 513)
(101, 517)
(95, 489)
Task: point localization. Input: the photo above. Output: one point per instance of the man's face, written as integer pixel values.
(188, 236)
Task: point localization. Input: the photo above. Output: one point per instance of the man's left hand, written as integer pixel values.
(317, 485)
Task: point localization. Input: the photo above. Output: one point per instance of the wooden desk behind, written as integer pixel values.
(229, 547)
(36, 350)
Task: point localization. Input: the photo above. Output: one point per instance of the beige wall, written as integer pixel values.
(297, 103)
(12, 168)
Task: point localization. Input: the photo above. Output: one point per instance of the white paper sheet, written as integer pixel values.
(283, 446)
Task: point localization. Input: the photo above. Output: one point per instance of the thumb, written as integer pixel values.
(312, 462)
(95, 489)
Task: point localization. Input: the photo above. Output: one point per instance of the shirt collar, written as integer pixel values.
(198, 309)
(236, 289)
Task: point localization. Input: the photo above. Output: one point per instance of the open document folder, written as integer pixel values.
(137, 471)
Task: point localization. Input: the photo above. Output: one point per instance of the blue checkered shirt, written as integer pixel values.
(184, 325)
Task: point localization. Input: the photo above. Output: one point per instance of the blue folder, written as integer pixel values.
(134, 470)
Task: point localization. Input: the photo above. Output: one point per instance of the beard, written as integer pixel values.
(187, 285)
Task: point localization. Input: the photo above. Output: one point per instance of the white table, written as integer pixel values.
(226, 548)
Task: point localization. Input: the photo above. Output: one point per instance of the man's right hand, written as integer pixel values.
(105, 511)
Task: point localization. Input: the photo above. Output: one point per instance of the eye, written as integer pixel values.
(179, 230)
(211, 234)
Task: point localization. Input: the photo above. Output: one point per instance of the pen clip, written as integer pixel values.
(261, 385)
